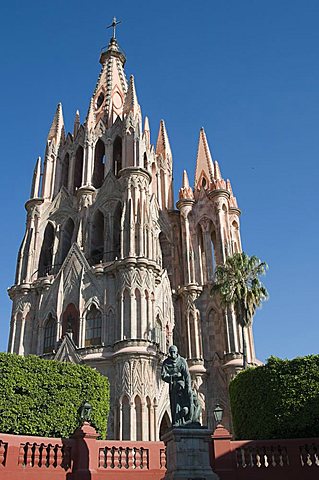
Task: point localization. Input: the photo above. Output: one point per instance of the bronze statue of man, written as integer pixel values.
(175, 372)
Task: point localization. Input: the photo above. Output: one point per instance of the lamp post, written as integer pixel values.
(218, 414)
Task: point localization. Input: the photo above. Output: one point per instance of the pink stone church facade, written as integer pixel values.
(111, 273)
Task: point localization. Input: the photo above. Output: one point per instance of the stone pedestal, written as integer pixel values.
(188, 454)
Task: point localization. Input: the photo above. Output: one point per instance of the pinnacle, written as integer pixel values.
(162, 145)
(76, 123)
(91, 118)
(204, 162)
(185, 180)
(217, 173)
(57, 126)
(146, 125)
(131, 102)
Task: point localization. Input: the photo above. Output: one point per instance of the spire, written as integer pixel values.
(131, 102)
(162, 145)
(77, 123)
(56, 132)
(186, 192)
(217, 174)
(111, 87)
(147, 132)
(185, 180)
(204, 165)
(91, 117)
(36, 179)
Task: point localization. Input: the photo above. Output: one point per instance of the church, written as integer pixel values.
(111, 271)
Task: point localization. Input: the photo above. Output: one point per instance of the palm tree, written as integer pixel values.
(238, 285)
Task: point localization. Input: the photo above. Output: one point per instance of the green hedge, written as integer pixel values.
(277, 400)
(42, 397)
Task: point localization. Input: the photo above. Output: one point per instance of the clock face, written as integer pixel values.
(117, 100)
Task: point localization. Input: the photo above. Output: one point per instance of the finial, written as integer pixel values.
(113, 25)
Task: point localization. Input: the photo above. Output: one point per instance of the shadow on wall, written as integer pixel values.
(79, 458)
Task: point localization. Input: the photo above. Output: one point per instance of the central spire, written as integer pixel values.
(110, 91)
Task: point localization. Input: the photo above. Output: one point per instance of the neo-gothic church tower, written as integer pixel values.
(109, 273)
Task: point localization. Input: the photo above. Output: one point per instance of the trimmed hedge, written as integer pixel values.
(42, 397)
(277, 400)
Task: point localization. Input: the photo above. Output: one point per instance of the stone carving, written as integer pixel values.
(185, 408)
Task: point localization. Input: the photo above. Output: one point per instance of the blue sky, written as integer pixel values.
(245, 70)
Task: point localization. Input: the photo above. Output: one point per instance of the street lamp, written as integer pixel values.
(218, 414)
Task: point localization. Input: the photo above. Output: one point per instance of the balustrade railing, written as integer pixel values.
(27, 458)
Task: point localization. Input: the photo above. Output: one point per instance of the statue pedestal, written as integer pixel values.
(188, 454)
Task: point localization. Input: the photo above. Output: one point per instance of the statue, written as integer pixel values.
(184, 404)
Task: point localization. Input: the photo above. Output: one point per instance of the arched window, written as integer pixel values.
(70, 322)
(46, 255)
(213, 246)
(78, 168)
(201, 255)
(117, 218)
(99, 163)
(138, 417)
(165, 425)
(158, 332)
(117, 156)
(65, 171)
(93, 327)
(49, 334)
(154, 179)
(97, 238)
(145, 161)
(126, 419)
(67, 237)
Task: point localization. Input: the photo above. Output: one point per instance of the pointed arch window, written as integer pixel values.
(46, 255)
(93, 327)
(117, 156)
(49, 334)
(116, 248)
(67, 237)
(99, 164)
(138, 417)
(65, 171)
(97, 238)
(158, 332)
(126, 419)
(78, 168)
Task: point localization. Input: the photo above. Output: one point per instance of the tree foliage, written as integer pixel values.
(42, 397)
(277, 400)
(238, 284)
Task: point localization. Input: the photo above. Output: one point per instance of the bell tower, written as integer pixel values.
(109, 270)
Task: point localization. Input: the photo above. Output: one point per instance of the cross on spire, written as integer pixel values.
(113, 25)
